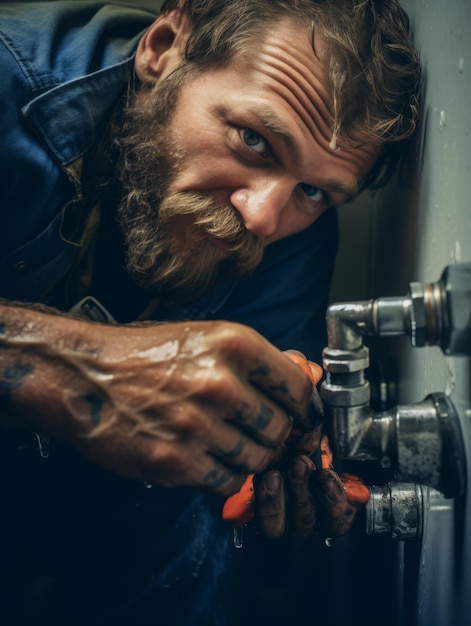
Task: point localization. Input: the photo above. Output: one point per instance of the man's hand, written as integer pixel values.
(302, 499)
(294, 495)
(199, 404)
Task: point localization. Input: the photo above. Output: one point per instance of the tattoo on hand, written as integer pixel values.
(96, 405)
(13, 378)
(263, 370)
(216, 477)
(264, 417)
(231, 454)
(261, 421)
(282, 387)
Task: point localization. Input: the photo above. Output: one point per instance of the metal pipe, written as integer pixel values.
(397, 509)
(423, 441)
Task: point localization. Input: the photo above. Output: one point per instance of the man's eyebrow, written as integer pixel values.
(339, 186)
(273, 122)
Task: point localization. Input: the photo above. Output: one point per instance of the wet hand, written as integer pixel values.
(201, 404)
(293, 495)
(301, 499)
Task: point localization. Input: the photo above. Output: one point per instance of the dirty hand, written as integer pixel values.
(294, 495)
(199, 404)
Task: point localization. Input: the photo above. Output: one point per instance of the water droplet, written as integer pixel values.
(147, 485)
(442, 120)
(460, 65)
(329, 542)
(456, 253)
(43, 443)
(238, 537)
(451, 379)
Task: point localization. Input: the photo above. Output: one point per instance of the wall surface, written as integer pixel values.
(410, 232)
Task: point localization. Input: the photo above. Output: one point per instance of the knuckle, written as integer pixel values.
(230, 335)
(237, 339)
(214, 384)
(262, 462)
(167, 465)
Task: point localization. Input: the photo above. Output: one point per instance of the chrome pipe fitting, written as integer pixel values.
(397, 509)
(422, 442)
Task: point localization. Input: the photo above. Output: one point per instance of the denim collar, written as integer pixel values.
(68, 118)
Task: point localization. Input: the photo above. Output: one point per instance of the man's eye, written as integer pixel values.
(255, 141)
(314, 193)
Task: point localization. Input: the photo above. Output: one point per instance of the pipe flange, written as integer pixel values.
(453, 474)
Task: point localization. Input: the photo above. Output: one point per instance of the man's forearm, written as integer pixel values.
(188, 403)
(34, 367)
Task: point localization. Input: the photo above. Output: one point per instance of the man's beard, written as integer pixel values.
(168, 235)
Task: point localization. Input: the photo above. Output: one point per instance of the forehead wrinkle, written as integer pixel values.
(320, 123)
(317, 121)
(316, 125)
(313, 122)
(316, 80)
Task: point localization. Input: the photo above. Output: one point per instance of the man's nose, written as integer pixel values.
(261, 205)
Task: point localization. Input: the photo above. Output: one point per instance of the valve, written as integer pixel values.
(421, 442)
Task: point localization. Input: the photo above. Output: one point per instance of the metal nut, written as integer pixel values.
(418, 313)
(343, 361)
(456, 286)
(336, 395)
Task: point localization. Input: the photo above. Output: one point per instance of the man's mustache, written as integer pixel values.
(220, 220)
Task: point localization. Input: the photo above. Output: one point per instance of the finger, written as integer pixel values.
(232, 447)
(302, 506)
(279, 378)
(357, 492)
(305, 443)
(218, 479)
(336, 512)
(270, 503)
(193, 467)
(259, 417)
(314, 373)
(312, 370)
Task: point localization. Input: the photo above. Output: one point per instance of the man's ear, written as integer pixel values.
(162, 47)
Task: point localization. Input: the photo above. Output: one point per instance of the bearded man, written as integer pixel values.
(180, 172)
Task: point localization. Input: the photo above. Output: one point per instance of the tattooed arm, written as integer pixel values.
(196, 403)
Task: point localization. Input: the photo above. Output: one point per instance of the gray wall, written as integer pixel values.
(410, 232)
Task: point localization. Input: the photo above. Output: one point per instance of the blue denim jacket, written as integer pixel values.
(104, 550)
(63, 66)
